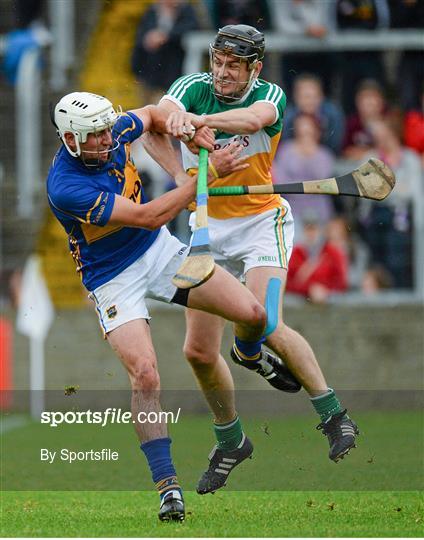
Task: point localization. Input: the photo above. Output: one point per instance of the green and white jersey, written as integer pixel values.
(193, 93)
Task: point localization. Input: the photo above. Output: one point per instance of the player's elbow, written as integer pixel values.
(149, 226)
(152, 224)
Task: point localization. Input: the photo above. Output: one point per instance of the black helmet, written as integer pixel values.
(240, 40)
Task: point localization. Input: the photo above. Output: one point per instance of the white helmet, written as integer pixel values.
(81, 113)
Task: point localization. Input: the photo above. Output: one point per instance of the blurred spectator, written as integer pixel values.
(376, 279)
(317, 267)
(356, 252)
(10, 287)
(386, 226)
(302, 158)
(158, 53)
(353, 66)
(303, 18)
(30, 33)
(308, 97)
(370, 105)
(409, 14)
(252, 12)
(414, 130)
(28, 12)
(15, 287)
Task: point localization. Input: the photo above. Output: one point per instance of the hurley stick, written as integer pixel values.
(372, 180)
(199, 265)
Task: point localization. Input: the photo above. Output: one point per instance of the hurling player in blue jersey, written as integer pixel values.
(124, 253)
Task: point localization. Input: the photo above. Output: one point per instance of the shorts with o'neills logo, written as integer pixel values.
(123, 298)
(241, 243)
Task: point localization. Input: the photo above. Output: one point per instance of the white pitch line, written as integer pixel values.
(12, 422)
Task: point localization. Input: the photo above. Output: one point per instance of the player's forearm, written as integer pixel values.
(158, 118)
(235, 121)
(166, 207)
(159, 147)
(154, 214)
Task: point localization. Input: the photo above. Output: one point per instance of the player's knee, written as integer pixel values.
(144, 376)
(257, 316)
(197, 355)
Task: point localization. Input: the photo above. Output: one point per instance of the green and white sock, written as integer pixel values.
(229, 435)
(326, 405)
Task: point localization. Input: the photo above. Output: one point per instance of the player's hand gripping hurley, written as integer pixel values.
(372, 180)
(199, 265)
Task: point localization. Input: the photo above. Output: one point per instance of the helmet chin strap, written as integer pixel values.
(95, 161)
(91, 162)
(74, 153)
(235, 96)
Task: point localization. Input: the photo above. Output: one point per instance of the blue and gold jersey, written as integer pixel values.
(82, 200)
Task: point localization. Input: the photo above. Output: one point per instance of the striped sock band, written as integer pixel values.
(326, 405)
(168, 484)
(248, 350)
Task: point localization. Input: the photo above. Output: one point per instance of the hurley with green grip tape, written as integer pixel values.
(199, 265)
(372, 180)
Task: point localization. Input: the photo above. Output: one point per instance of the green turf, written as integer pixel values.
(289, 455)
(227, 514)
(290, 488)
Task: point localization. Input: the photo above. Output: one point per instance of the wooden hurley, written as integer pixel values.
(372, 180)
(199, 265)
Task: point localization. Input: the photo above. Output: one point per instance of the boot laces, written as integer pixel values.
(332, 427)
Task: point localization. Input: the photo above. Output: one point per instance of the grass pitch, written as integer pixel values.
(290, 488)
(227, 514)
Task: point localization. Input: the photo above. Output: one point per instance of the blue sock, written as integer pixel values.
(248, 350)
(158, 454)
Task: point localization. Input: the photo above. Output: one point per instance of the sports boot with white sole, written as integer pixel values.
(221, 463)
(172, 507)
(271, 368)
(341, 432)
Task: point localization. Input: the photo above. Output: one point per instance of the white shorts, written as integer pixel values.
(241, 243)
(122, 299)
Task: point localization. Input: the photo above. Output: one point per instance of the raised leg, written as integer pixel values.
(284, 341)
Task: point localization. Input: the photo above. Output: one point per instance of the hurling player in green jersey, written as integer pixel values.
(252, 237)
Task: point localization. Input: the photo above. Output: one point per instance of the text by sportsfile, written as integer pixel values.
(69, 456)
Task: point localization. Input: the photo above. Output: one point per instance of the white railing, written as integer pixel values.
(62, 55)
(28, 142)
(197, 43)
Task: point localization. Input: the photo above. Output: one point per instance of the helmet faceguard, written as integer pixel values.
(82, 113)
(240, 42)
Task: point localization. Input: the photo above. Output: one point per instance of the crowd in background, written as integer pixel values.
(342, 109)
